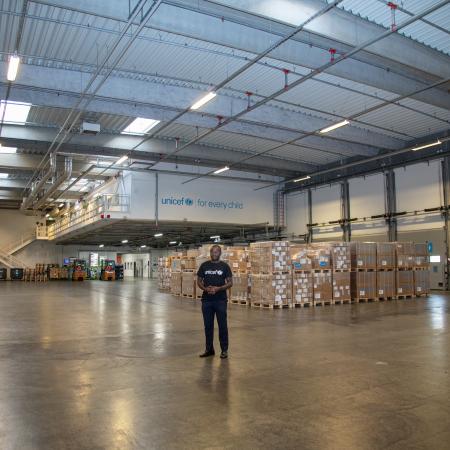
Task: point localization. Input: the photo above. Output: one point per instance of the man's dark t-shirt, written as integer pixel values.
(214, 274)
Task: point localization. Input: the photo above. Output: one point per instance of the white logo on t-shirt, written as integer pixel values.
(214, 272)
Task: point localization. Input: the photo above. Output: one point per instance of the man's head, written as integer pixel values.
(215, 252)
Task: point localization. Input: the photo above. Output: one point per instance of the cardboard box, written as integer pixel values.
(320, 255)
(175, 283)
(405, 255)
(421, 282)
(421, 257)
(269, 257)
(302, 287)
(386, 255)
(188, 284)
(364, 255)
(271, 289)
(363, 285)
(240, 288)
(322, 287)
(405, 282)
(299, 256)
(176, 265)
(341, 256)
(237, 259)
(386, 284)
(341, 286)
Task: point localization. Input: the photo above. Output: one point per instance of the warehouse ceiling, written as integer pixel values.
(280, 72)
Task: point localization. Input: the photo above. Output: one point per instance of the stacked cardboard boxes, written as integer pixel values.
(405, 255)
(386, 256)
(320, 255)
(237, 259)
(300, 258)
(175, 283)
(364, 285)
(421, 259)
(323, 287)
(240, 289)
(363, 255)
(269, 257)
(405, 283)
(386, 281)
(341, 287)
(269, 290)
(302, 287)
(188, 284)
(341, 255)
(421, 282)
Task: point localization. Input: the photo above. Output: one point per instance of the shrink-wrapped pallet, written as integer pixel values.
(421, 282)
(188, 284)
(340, 255)
(421, 259)
(302, 287)
(405, 282)
(405, 255)
(386, 258)
(271, 289)
(364, 255)
(364, 285)
(175, 283)
(323, 287)
(386, 284)
(341, 286)
(236, 258)
(269, 257)
(240, 288)
(299, 256)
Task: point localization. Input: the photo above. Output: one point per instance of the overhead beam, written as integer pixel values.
(117, 145)
(211, 22)
(52, 87)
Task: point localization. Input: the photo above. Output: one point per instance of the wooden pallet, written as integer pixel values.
(389, 269)
(322, 302)
(363, 270)
(240, 302)
(302, 305)
(342, 301)
(422, 294)
(364, 300)
(187, 295)
(385, 299)
(405, 297)
(270, 305)
(405, 268)
(341, 270)
(421, 268)
(321, 270)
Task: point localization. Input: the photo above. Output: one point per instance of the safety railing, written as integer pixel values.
(86, 213)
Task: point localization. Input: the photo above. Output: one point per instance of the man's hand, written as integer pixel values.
(211, 290)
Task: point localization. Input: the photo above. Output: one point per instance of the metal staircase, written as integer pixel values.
(7, 257)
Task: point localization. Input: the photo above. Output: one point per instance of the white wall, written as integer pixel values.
(14, 224)
(149, 260)
(297, 213)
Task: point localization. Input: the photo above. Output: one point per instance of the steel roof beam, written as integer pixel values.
(253, 34)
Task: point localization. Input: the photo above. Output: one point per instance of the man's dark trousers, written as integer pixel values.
(218, 308)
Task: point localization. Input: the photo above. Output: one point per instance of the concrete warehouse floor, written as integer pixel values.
(99, 365)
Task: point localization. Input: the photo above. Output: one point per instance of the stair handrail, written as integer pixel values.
(28, 237)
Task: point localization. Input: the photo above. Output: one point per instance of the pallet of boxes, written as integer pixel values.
(405, 274)
(341, 272)
(320, 255)
(237, 259)
(271, 278)
(364, 273)
(164, 273)
(386, 271)
(302, 276)
(189, 274)
(175, 274)
(421, 270)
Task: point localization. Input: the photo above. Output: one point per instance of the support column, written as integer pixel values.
(391, 204)
(345, 212)
(310, 231)
(445, 213)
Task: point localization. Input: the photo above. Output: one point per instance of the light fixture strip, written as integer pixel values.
(335, 126)
(208, 97)
(223, 169)
(13, 67)
(302, 179)
(432, 144)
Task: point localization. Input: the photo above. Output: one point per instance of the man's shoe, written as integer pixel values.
(206, 354)
(224, 355)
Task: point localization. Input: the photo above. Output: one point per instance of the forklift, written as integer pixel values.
(79, 270)
(108, 272)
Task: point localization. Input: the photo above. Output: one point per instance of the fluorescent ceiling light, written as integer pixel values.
(302, 179)
(7, 149)
(101, 246)
(13, 67)
(158, 234)
(209, 96)
(335, 126)
(16, 112)
(143, 246)
(125, 241)
(172, 242)
(4, 175)
(47, 215)
(438, 142)
(214, 237)
(121, 160)
(61, 205)
(223, 169)
(140, 126)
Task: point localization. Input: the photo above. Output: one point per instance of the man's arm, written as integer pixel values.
(227, 285)
(200, 283)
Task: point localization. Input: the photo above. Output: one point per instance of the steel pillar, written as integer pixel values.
(345, 212)
(445, 213)
(390, 204)
(310, 230)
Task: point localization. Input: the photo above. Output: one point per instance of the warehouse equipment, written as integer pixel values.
(79, 270)
(108, 272)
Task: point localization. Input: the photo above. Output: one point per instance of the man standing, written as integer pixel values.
(214, 277)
